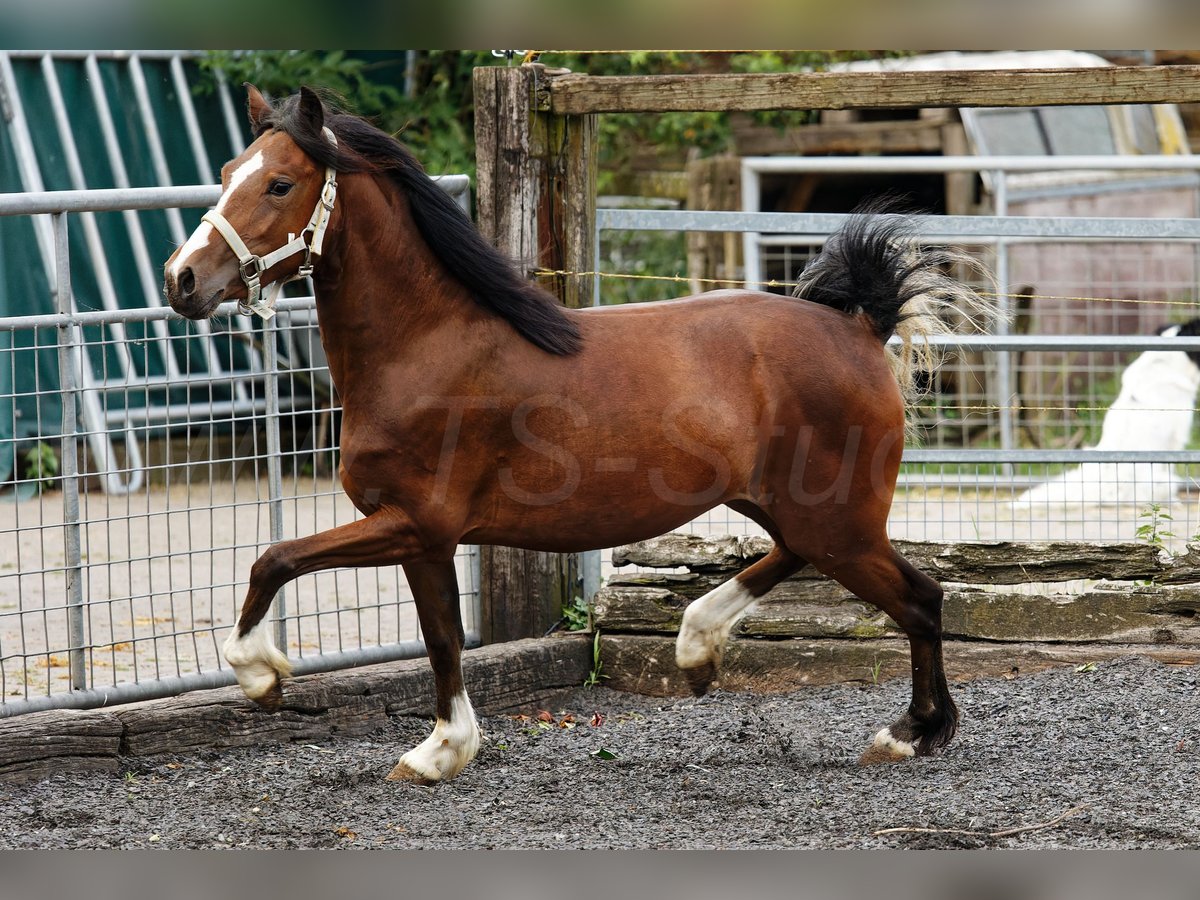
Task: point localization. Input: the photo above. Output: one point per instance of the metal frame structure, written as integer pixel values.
(998, 230)
(78, 386)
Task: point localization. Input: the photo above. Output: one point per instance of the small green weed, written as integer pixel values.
(41, 465)
(596, 675)
(875, 670)
(1156, 530)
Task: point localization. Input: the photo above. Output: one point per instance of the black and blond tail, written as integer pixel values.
(876, 266)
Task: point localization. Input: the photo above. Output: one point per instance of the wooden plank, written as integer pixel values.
(567, 150)
(354, 701)
(40, 744)
(582, 94)
(821, 609)
(869, 138)
(521, 591)
(966, 562)
(646, 664)
(517, 676)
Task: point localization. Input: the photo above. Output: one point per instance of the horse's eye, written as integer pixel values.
(279, 188)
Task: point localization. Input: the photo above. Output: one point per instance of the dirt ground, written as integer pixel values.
(1099, 757)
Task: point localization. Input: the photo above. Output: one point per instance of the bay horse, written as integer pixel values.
(477, 409)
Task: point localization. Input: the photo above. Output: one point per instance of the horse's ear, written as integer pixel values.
(312, 111)
(257, 108)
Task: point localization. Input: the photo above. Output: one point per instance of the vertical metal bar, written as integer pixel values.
(174, 216)
(69, 346)
(751, 201)
(590, 563)
(1004, 374)
(147, 274)
(274, 463)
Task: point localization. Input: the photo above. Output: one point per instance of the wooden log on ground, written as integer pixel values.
(645, 664)
(41, 744)
(501, 678)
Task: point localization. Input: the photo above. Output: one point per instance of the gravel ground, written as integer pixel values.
(728, 770)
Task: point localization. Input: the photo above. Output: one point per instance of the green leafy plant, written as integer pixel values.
(1155, 530)
(577, 614)
(41, 465)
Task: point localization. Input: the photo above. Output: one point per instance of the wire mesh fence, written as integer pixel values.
(1084, 303)
(156, 577)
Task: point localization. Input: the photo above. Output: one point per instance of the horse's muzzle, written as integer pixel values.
(184, 295)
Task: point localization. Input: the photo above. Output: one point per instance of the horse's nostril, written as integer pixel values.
(187, 283)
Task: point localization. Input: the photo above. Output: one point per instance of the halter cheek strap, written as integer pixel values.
(260, 299)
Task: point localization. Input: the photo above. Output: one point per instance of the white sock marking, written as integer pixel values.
(707, 622)
(450, 747)
(886, 740)
(255, 659)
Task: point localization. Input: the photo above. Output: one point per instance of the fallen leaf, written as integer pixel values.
(544, 716)
(604, 754)
(343, 831)
(567, 721)
(597, 719)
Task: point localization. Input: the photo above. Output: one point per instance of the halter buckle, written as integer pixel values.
(251, 269)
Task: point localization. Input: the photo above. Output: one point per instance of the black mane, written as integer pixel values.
(492, 278)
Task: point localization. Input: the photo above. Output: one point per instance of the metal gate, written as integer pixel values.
(150, 460)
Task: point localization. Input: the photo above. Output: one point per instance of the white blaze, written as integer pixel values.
(200, 237)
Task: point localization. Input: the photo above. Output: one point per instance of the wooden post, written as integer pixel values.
(536, 198)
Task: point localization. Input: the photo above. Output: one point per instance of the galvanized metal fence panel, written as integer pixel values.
(953, 485)
(108, 596)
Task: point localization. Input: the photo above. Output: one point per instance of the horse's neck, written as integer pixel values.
(381, 291)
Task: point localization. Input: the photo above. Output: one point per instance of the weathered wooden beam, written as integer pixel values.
(824, 609)
(521, 591)
(583, 94)
(967, 562)
(645, 664)
(517, 676)
(869, 138)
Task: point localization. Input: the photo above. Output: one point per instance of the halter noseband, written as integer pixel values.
(251, 266)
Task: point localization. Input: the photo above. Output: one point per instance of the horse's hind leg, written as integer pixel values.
(914, 601)
(455, 738)
(708, 620)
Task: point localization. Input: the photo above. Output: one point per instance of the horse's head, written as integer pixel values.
(270, 219)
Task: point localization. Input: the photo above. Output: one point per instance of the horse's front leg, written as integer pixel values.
(455, 738)
(383, 538)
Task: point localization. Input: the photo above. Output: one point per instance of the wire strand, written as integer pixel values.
(685, 279)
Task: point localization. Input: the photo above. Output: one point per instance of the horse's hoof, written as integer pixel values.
(887, 748)
(272, 700)
(404, 772)
(701, 677)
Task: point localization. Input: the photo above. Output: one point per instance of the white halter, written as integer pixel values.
(251, 266)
